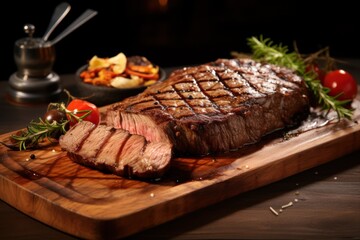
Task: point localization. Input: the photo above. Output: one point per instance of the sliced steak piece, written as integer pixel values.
(116, 150)
(214, 107)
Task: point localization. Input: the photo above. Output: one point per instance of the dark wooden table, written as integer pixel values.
(326, 199)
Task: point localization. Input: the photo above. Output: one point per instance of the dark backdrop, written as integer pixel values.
(182, 32)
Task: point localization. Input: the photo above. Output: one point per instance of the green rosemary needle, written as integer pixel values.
(266, 50)
(37, 131)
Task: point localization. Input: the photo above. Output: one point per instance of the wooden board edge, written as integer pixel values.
(191, 201)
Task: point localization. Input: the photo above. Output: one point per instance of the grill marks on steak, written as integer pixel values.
(211, 108)
(213, 89)
(214, 107)
(116, 150)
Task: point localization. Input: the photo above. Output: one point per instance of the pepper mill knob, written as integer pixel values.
(29, 29)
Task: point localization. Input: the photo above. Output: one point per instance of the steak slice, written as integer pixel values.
(116, 150)
(214, 107)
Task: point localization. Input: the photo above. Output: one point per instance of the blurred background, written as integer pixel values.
(179, 32)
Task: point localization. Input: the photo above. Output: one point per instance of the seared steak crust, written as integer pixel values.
(214, 107)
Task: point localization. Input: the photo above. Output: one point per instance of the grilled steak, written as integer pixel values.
(210, 108)
(214, 107)
(116, 150)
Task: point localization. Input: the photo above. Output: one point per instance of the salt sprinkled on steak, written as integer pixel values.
(214, 107)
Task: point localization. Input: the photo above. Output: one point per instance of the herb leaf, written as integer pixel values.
(37, 131)
(264, 49)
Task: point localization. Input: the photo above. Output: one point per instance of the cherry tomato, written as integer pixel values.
(317, 70)
(54, 115)
(341, 82)
(79, 107)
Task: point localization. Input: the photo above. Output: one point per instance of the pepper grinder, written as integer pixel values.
(34, 81)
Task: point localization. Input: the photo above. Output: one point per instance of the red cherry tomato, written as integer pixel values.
(341, 82)
(317, 70)
(80, 107)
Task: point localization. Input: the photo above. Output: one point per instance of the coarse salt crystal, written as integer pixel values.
(274, 211)
(287, 205)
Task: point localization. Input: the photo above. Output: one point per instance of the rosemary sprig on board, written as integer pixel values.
(263, 49)
(38, 131)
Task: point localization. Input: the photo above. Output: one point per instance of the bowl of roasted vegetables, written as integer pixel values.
(107, 80)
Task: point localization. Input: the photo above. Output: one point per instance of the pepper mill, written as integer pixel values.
(34, 81)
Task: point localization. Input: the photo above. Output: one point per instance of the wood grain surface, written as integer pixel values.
(90, 204)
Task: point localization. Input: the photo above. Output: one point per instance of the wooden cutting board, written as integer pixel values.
(93, 205)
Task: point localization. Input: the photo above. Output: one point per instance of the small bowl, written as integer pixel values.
(103, 95)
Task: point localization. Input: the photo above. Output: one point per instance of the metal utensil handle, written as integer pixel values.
(87, 15)
(59, 13)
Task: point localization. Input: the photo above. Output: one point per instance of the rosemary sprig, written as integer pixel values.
(266, 50)
(37, 131)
